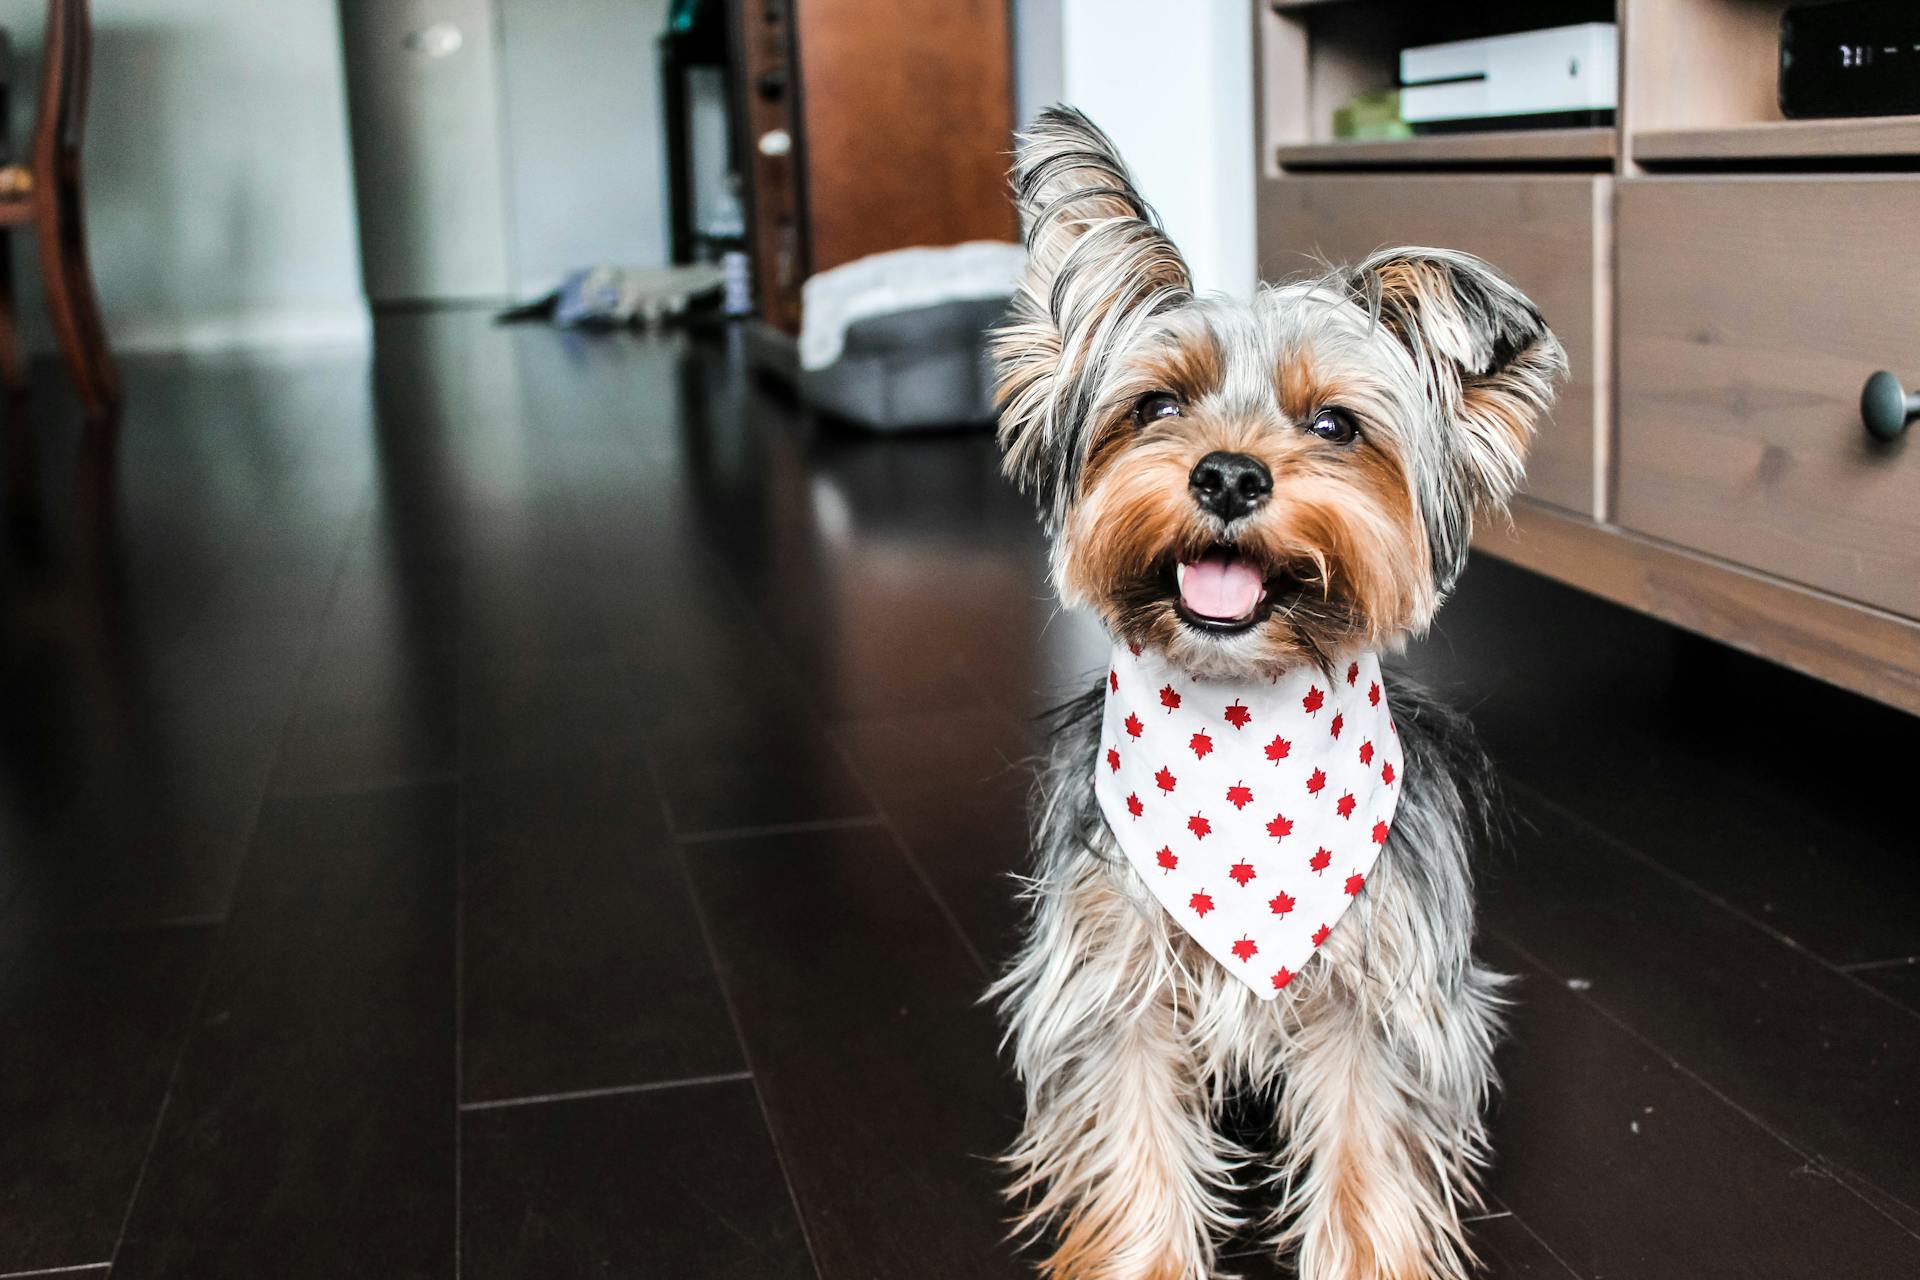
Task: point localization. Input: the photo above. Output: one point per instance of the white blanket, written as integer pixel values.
(900, 280)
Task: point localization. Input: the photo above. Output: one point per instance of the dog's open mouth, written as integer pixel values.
(1223, 591)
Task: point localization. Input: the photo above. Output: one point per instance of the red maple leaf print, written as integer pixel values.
(1164, 779)
(1169, 698)
(1345, 805)
(1282, 978)
(1134, 806)
(1167, 858)
(1281, 827)
(1277, 749)
(1380, 833)
(1317, 782)
(1320, 860)
(1113, 760)
(1354, 884)
(1201, 902)
(1237, 715)
(1313, 699)
(1320, 935)
(1113, 681)
(1386, 773)
(1373, 694)
(1366, 752)
(1339, 723)
(1134, 727)
(1241, 872)
(1200, 827)
(1239, 796)
(1201, 744)
(1245, 949)
(1353, 672)
(1280, 903)
(1133, 647)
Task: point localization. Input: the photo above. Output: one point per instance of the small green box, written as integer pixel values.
(1371, 116)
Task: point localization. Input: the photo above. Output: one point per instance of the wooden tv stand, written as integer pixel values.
(1725, 281)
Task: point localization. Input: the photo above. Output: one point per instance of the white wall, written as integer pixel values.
(219, 192)
(1173, 84)
(585, 147)
(219, 177)
(220, 185)
(1039, 61)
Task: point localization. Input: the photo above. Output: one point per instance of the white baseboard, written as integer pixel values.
(346, 325)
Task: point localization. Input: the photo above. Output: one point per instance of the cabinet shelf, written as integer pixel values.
(1783, 140)
(1593, 146)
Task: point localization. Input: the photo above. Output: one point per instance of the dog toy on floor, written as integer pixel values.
(1252, 854)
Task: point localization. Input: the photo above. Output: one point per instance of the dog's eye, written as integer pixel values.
(1155, 405)
(1336, 425)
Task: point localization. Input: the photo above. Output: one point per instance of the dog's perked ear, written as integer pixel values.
(1487, 361)
(1098, 267)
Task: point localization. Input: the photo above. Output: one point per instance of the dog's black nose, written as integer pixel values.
(1230, 485)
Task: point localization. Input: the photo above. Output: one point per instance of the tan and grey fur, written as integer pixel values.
(1128, 1038)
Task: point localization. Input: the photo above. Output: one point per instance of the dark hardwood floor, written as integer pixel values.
(530, 805)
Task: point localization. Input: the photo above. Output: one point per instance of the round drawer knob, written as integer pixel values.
(1886, 407)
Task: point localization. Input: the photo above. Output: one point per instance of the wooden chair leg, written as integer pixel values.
(86, 299)
(13, 364)
(69, 322)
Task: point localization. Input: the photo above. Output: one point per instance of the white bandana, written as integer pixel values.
(1252, 809)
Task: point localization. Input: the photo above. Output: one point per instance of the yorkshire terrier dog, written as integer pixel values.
(1252, 874)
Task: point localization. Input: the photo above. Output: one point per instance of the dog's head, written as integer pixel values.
(1251, 486)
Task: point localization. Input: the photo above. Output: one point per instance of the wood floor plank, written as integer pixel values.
(94, 1025)
(759, 771)
(310, 1131)
(859, 1008)
(956, 788)
(1730, 771)
(1758, 1020)
(1626, 1167)
(1510, 1249)
(582, 961)
(1901, 981)
(372, 722)
(673, 1182)
(544, 715)
(134, 777)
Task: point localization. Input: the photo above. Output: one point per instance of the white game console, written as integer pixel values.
(1560, 76)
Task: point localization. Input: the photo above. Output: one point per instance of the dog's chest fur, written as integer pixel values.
(1406, 932)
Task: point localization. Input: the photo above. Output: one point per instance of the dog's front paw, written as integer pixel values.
(1093, 1255)
(1377, 1238)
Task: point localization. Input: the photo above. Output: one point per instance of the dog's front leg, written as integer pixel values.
(1118, 1151)
(1381, 1117)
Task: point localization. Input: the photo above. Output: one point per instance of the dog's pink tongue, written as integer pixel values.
(1220, 585)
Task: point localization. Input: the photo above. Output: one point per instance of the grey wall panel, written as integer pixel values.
(423, 91)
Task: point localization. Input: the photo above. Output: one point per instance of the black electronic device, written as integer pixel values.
(1854, 58)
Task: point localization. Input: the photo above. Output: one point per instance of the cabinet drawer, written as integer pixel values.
(1751, 312)
(1547, 233)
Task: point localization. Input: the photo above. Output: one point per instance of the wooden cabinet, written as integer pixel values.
(1724, 279)
(870, 127)
(1751, 312)
(1544, 231)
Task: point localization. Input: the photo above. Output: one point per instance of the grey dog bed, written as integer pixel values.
(908, 370)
